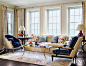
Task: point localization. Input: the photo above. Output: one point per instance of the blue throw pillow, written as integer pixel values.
(42, 39)
(54, 39)
(73, 41)
(10, 39)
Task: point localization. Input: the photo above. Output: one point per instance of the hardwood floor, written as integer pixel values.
(15, 63)
(80, 60)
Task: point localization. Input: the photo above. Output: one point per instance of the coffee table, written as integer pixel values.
(35, 46)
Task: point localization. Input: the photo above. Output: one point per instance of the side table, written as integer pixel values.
(84, 46)
(24, 38)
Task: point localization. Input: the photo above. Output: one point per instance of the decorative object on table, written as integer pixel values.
(30, 43)
(81, 28)
(22, 29)
(21, 35)
(36, 43)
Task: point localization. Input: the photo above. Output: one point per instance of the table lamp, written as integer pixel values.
(22, 29)
(81, 28)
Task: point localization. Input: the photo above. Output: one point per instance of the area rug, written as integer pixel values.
(36, 58)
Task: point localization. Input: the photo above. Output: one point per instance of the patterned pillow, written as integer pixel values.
(62, 39)
(34, 38)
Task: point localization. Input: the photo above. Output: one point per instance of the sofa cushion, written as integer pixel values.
(49, 38)
(54, 39)
(42, 39)
(62, 39)
(16, 44)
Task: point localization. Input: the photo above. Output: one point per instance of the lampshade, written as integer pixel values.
(80, 27)
(22, 28)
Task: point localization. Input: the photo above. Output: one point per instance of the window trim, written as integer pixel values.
(52, 9)
(12, 21)
(74, 7)
(34, 20)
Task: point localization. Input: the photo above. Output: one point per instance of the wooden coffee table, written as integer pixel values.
(35, 46)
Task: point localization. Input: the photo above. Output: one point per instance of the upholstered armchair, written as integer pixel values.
(70, 51)
(11, 42)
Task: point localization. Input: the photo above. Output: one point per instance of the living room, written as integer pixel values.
(45, 22)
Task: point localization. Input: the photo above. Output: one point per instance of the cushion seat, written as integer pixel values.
(62, 51)
(16, 44)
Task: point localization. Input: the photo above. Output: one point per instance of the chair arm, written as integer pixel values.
(66, 47)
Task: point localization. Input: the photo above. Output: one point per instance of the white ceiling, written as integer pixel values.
(32, 3)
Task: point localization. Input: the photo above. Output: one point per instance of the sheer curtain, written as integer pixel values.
(19, 19)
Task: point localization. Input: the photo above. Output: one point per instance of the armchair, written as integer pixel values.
(12, 42)
(70, 51)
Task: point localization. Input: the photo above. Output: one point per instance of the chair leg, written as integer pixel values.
(52, 58)
(6, 50)
(13, 50)
(73, 60)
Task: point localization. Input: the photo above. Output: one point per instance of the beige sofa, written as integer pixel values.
(49, 38)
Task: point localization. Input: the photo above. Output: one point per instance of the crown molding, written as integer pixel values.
(7, 5)
(46, 4)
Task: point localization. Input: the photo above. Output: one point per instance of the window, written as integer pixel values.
(54, 21)
(75, 18)
(34, 22)
(10, 21)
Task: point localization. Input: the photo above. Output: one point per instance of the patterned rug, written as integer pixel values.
(36, 58)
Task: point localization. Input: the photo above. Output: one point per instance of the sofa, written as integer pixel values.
(48, 42)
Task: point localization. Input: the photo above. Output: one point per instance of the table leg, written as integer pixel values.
(49, 51)
(22, 41)
(44, 52)
(30, 49)
(23, 51)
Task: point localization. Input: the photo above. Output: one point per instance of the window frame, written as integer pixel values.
(38, 29)
(74, 7)
(53, 9)
(12, 22)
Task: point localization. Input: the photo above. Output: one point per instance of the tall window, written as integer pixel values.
(75, 18)
(10, 21)
(34, 19)
(54, 21)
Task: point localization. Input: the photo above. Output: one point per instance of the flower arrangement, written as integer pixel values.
(30, 43)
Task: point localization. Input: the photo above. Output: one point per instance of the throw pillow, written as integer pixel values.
(42, 39)
(54, 39)
(10, 39)
(34, 38)
(62, 39)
